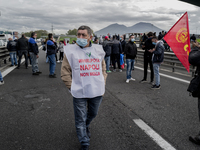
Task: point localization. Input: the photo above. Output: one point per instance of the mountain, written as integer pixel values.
(141, 27)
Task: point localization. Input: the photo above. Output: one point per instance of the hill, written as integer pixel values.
(141, 27)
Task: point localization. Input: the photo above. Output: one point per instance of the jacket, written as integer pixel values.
(148, 45)
(61, 47)
(107, 47)
(158, 54)
(123, 43)
(22, 44)
(51, 47)
(32, 46)
(12, 46)
(130, 50)
(66, 72)
(116, 47)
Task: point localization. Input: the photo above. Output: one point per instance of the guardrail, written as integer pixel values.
(170, 60)
(4, 54)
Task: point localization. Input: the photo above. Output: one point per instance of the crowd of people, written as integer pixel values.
(86, 64)
(153, 55)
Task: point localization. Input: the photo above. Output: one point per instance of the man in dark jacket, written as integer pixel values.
(12, 48)
(107, 47)
(22, 48)
(148, 58)
(131, 52)
(158, 57)
(33, 51)
(123, 43)
(51, 52)
(116, 51)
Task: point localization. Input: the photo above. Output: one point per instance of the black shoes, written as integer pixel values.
(35, 73)
(143, 81)
(84, 147)
(195, 140)
(88, 132)
(39, 72)
(155, 87)
(52, 76)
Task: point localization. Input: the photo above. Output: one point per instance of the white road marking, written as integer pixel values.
(167, 76)
(155, 136)
(6, 72)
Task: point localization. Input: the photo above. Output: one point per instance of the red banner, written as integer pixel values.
(178, 38)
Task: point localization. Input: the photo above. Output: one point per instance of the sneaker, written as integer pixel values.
(143, 81)
(127, 81)
(29, 65)
(16, 64)
(84, 147)
(17, 67)
(1, 82)
(39, 72)
(156, 87)
(114, 70)
(195, 139)
(35, 73)
(11, 65)
(108, 71)
(120, 70)
(152, 83)
(52, 76)
(132, 79)
(58, 61)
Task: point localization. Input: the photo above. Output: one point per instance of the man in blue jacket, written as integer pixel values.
(157, 59)
(33, 51)
(51, 53)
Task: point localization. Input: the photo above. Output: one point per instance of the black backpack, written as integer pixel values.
(194, 57)
(194, 87)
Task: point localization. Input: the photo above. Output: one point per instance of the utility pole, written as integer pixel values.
(52, 28)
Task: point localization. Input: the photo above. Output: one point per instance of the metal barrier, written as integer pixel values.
(170, 60)
(4, 55)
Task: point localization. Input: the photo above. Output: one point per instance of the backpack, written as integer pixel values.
(194, 86)
(194, 57)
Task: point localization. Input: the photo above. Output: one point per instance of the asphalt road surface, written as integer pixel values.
(36, 113)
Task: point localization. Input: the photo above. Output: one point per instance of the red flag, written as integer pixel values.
(178, 38)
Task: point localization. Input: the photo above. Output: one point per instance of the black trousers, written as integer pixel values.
(199, 107)
(61, 56)
(116, 58)
(148, 60)
(20, 54)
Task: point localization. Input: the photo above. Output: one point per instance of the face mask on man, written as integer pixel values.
(120, 38)
(81, 42)
(154, 43)
(133, 40)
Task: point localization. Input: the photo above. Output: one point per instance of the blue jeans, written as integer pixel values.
(107, 61)
(1, 78)
(52, 63)
(34, 62)
(13, 58)
(130, 66)
(84, 116)
(156, 67)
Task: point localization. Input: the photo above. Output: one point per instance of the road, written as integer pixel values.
(36, 113)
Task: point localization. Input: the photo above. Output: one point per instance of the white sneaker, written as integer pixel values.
(120, 70)
(132, 79)
(1, 82)
(58, 61)
(127, 81)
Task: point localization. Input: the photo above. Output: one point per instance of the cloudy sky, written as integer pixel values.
(28, 15)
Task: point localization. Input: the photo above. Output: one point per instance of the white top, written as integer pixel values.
(87, 75)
